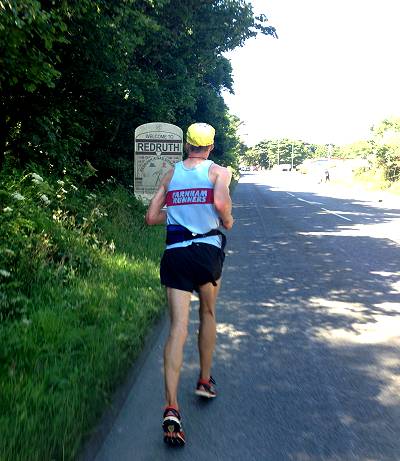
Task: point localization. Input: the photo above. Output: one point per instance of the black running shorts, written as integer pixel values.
(187, 268)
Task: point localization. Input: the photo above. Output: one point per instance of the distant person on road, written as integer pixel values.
(196, 194)
(327, 178)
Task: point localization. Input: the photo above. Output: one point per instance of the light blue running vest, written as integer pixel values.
(190, 203)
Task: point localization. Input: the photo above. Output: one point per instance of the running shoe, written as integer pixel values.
(172, 426)
(206, 388)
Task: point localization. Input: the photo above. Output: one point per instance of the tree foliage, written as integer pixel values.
(268, 153)
(386, 142)
(77, 77)
(358, 149)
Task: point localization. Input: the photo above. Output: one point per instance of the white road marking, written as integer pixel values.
(318, 203)
(336, 214)
(311, 203)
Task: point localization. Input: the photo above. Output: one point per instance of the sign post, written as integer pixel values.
(158, 146)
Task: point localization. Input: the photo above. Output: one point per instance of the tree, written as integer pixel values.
(386, 138)
(358, 149)
(272, 152)
(80, 76)
(28, 38)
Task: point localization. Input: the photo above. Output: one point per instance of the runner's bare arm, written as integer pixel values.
(155, 214)
(222, 199)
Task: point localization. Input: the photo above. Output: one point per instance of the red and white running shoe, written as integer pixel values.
(206, 388)
(172, 427)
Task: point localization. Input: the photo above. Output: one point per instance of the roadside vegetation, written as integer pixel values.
(79, 291)
(373, 164)
(79, 285)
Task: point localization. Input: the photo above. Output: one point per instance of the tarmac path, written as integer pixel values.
(307, 361)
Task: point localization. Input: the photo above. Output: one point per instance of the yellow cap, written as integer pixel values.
(200, 134)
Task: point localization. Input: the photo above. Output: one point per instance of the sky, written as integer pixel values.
(332, 74)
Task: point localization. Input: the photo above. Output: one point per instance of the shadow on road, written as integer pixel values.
(308, 338)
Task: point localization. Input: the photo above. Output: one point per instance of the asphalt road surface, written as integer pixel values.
(307, 362)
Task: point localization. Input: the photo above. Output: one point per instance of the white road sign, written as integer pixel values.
(158, 146)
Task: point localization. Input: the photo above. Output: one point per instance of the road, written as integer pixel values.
(307, 361)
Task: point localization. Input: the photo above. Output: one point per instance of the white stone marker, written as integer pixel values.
(158, 146)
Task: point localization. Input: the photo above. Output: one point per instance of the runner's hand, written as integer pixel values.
(227, 223)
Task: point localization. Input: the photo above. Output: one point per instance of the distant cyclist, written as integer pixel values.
(196, 194)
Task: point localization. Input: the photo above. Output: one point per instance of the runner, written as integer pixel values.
(196, 193)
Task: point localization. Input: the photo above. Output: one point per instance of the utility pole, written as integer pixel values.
(279, 144)
(329, 151)
(292, 156)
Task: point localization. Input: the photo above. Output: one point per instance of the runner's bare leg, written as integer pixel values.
(179, 304)
(208, 328)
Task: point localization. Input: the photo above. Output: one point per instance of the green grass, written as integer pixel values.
(75, 308)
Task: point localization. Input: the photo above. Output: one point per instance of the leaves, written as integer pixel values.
(387, 147)
(79, 77)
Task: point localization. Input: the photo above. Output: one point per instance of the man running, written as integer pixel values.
(196, 194)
